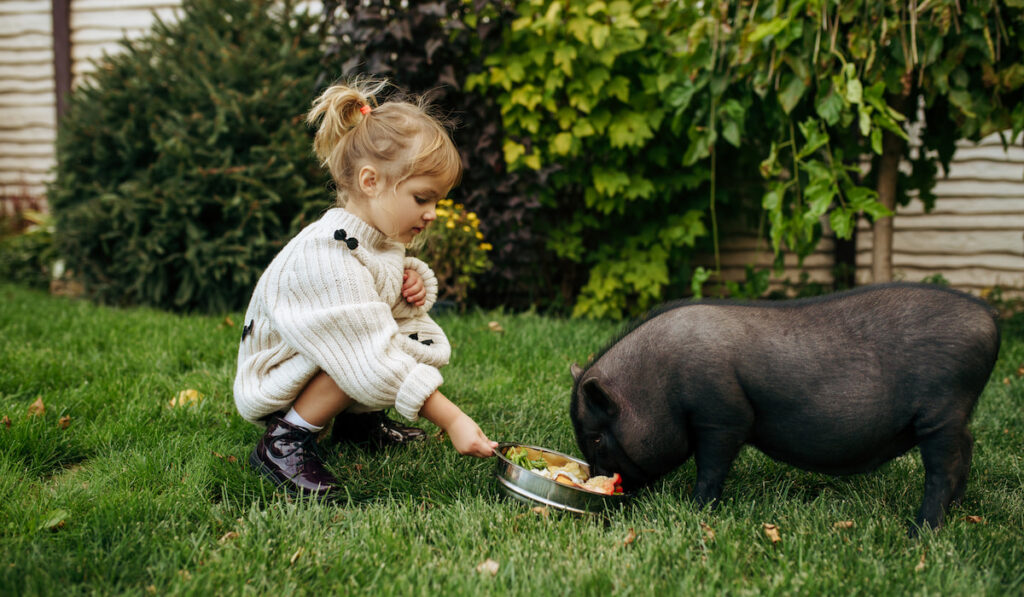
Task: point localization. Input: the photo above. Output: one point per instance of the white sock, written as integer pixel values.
(296, 419)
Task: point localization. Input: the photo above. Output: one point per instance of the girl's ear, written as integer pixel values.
(368, 180)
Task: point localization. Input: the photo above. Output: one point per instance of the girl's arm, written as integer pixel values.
(466, 435)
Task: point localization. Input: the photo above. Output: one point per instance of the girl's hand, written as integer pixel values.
(465, 434)
(413, 290)
(468, 439)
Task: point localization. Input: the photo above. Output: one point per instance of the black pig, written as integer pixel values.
(837, 384)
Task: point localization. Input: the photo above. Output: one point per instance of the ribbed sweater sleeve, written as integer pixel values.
(323, 303)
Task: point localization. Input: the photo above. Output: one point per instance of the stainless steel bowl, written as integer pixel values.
(532, 488)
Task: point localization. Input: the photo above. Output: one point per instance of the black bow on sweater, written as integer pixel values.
(352, 242)
(416, 336)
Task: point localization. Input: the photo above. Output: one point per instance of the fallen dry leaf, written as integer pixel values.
(64, 421)
(772, 532)
(7, 421)
(1006, 381)
(920, 564)
(541, 510)
(229, 322)
(709, 533)
(843, 524)
(295, 556)
(494, 326)
(227, 536)
(37, 408)
(489, 566)
(973, 518)
(1020, 370)
(630, 537)
(186, 397)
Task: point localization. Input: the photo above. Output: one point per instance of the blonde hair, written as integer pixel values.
(399, 138)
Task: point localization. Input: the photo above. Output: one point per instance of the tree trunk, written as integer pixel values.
(887, 184)
(888, 177)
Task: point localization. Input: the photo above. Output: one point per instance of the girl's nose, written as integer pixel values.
(430, 215)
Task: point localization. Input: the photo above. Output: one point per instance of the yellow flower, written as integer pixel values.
(449, 224)
(442, 213)
(465, 228)
(479, 235)
(486, 246)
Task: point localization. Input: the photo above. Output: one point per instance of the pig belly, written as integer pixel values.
(831, 446)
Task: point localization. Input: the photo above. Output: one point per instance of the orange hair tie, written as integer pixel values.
(365, 109)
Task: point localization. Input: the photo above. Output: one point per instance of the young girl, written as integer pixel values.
(338, 324)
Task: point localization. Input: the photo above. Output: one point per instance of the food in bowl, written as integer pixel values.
(568, 473)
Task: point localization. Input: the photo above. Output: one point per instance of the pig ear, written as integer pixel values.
(597, 399)
(576, 371)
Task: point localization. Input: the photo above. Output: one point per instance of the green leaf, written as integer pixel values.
(772, 27)
(609, 182)
(864, 119)
(814, 137)
(618, 87)
(680, 95)
(562, 143)
(629, 129)
(582, 128)
(841, 222)
(53, 520)
(600, 35)
(830, 107)
(512, 151)
(596, 79)
(702, 139)
(793, 88)
(732, 116)
(563, 58)
(854, 91)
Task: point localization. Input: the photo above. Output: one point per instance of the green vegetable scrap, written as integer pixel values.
(520, 456)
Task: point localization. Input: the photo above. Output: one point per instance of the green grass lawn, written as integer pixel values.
(112, 490)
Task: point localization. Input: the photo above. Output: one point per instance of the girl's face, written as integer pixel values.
(401, 212)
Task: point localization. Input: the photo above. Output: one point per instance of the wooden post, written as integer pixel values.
(62, 54)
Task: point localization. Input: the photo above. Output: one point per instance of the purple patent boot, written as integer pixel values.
(287, 455)
(374, 429)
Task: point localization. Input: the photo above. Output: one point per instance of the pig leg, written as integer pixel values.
(944, 474)
(966, 453)
(714, 453)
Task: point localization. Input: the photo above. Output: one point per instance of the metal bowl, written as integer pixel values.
(532, 488)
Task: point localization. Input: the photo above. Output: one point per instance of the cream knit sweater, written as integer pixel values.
(323, 306)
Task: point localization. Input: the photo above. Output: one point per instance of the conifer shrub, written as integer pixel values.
(184, 162)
